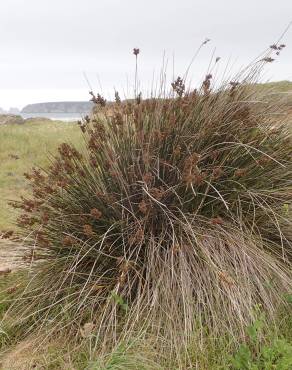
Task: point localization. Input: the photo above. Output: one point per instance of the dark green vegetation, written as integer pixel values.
(164, 242)
(6, 119)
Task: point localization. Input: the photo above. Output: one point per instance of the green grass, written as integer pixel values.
(281, 90)
(279, 86)
(32, 143)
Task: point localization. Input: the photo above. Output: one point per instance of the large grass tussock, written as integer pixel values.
(174, 218)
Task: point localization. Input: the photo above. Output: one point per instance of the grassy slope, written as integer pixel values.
(32, 143)
(281, 86)
(279, 90)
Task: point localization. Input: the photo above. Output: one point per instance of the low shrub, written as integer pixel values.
(256, 355)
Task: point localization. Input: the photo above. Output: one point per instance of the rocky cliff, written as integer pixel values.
(83, 107)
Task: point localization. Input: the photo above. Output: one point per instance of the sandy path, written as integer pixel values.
(10, 255)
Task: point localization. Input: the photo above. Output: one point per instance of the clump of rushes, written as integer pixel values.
(174, 217)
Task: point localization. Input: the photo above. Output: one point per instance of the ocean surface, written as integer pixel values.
(68, 117)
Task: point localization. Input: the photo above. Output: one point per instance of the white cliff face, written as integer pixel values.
(83, 107)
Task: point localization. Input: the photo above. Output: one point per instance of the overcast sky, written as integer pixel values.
(46, 45)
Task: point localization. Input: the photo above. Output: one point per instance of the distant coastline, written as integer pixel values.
(72, 107)
(67, 117)
(60, 111)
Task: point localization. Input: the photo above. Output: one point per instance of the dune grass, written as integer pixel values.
(21, 148)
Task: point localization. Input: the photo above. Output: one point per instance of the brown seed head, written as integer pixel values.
(143, 208)
(97, 99)
(190, 164)
(206, 41)
(217, 173)
(87, 229)
(147, 178)
(268, 59)
(217, 221)
(198, 178)
(240, 172)
(207, 83)
(136, 51)
(68, 241)
(95, 213)
(178, 86)
(44, 218)
(7, 234)
(157, 193)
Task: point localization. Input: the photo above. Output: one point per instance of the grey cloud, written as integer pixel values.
(48, 43)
